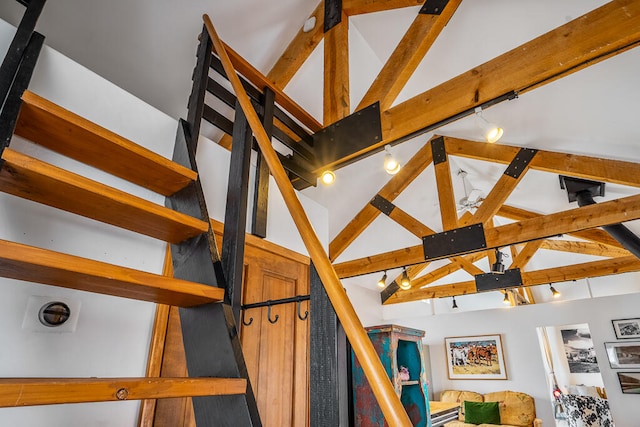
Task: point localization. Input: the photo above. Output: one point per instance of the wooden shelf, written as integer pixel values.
(31, 264)
(48, 391)
(32, 179)
(60, 130)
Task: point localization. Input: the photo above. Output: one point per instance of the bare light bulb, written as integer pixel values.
(391, 165)
(328, 177)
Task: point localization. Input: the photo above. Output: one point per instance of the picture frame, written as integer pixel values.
(626, 328)
(625, 354)
(478, 357)
(629, 382)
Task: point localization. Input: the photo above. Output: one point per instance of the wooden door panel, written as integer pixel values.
(276, 353)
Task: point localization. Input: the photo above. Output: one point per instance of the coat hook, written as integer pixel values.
(250, 319)
(306, 312)
(269, 315)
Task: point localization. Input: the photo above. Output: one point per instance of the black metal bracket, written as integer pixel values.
(576, 185)
(493, 281)
(348, 136)
(332, 14)
(382, 204)
(458, 241)
(433, 7)
(519, 163)
(438, 151)
(389, 291)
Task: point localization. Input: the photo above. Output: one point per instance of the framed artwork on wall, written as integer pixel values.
(629, 382)
(623, 354)
(475, 358)
(626, 328)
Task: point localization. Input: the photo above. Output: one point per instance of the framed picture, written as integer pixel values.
(475, 358)
(629, 382)
(626, 328)
(578, 347)
(623, 354)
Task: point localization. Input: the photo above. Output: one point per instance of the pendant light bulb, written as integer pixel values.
(554, 292)
(492, 132)
(506, 301)
(328, 177)
(391, 165)
(383, 280)
(405, 283)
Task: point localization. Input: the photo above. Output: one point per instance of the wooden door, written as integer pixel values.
(276, 354)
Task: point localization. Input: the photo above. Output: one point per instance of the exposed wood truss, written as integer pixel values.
(600, 34)
(530, 233)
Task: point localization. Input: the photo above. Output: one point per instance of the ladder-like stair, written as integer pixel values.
(60, 130)
(49, 125)
(22, 262)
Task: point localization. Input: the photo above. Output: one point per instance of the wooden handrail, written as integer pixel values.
(382, 388)
(260, 81)
(50, 391)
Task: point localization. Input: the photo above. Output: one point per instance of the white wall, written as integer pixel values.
(525, 368)
(111, 337)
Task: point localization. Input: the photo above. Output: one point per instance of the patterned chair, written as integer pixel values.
(586, 411)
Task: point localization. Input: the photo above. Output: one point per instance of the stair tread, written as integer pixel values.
(38, 265)
(33, 179)
(51, 126)
(48, 391)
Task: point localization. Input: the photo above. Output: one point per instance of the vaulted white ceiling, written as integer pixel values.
(148, 48)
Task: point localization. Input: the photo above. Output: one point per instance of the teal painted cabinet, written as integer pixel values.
(398, 348)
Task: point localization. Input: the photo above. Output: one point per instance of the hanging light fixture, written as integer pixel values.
(492, 132)
(391, 165)
(328, 177)
(554, 292)
(505, 300)
(383, 280)
(498, 267)
(454, 306)
(405, 282)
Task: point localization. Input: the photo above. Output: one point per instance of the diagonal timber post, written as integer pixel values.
(383, 390)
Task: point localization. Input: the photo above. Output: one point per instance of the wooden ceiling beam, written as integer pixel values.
(389, 191)
(540, 277)
(499, 194)
(411, 224)
(601, 33)
(336, 72)
(525, 255)
(297, 52)
(585, 248)
(359, 7)
(605, 213)
(613, 171)
(595, 235)
(260, 81)
(406, 57)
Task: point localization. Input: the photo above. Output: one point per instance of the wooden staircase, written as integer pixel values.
(218, 385)
(49, 125)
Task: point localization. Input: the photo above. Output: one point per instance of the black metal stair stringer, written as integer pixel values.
(211, 341)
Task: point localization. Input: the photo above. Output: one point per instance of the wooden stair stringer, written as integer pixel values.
(33, 179)
(51, 126)
(37, 265)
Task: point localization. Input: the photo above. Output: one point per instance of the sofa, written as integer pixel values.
(516, 409)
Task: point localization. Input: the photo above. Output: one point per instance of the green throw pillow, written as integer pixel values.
(481, 412)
